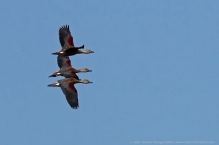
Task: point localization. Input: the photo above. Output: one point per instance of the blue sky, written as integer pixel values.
(155, 72)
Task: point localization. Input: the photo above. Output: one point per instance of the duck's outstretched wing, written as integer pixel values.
(65, 37)
(70, 93)
(63, 61)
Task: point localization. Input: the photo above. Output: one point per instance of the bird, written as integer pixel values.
(67, 86)
(66, 68)
(67, 43)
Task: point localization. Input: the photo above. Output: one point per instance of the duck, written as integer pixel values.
(67, 43)
(66, 68)
(69, 90)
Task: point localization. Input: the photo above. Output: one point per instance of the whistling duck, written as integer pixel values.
(67, 86)
(66, 68)
(67, 43)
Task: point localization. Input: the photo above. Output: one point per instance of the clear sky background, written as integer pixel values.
(155, 72)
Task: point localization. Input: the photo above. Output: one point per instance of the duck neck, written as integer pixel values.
(77, 70)
(80, 51)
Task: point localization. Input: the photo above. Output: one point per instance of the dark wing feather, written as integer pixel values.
(75, 76)
(70, 51)
(63, 61)
(70, 93)
(65, 36)
(70, 75)
(68, 72)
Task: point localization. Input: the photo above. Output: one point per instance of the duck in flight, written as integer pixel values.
(68, 88)
(66, 68)
(67, 43)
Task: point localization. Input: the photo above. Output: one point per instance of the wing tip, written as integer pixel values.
(74, 106)
(64, 27)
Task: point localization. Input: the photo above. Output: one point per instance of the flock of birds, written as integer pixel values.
(66, 69)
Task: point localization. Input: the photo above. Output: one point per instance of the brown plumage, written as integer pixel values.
(66, 68)
(67, 86)
(67, 43)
